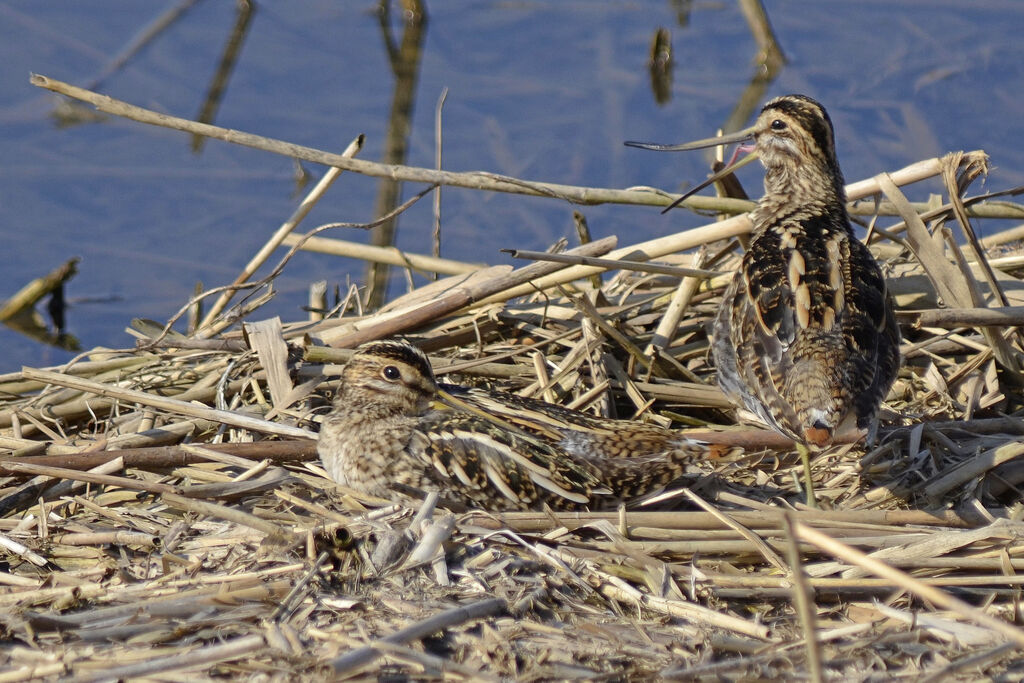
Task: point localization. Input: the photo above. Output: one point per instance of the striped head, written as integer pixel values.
(391, 375)
(794, 139)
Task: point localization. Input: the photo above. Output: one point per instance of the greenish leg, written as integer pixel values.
(805, 455)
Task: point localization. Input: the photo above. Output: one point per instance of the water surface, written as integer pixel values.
(537, 90)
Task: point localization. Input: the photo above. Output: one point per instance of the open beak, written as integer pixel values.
(739, 136)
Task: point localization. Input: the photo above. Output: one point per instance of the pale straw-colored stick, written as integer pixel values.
(390, 255)
(936, 597)
(169, 404)
(277, 238)
(185, 659)
(609, 264)
(475, 180)
(803, 599)
(443, 621)
(1005, 316)
(762, 547)
(456, 298)
(228, 514)
(695, 237)
(974, 467)
(15, 548)
(666, 330)
(681, 609)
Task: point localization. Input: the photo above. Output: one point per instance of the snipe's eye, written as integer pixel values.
(391, 372)
(778, 124)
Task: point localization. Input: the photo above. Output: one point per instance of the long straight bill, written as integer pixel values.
(739, 136)
(714, 177)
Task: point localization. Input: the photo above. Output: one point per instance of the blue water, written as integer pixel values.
(537, 90)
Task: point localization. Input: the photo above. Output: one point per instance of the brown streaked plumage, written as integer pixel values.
(388, 433)
(805, 337)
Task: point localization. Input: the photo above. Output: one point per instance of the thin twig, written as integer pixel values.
(803, 597)
(257, 261)
(933, 595)
(447, 619)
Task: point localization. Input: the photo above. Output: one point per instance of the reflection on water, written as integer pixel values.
(660, 65)
(541, 91)
(20, 314)
(225, 67)
(404, 59)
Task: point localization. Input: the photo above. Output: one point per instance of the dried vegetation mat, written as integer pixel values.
(162, 513)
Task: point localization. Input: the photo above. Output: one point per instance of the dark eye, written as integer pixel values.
(391, 372)
(778, 124)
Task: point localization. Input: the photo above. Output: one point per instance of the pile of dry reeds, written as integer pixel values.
(163, 514)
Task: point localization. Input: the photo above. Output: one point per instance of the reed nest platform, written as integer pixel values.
(163, 515)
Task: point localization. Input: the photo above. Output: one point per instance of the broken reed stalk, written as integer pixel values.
(953, 281)
(1006, 316)
(457, 298)
(180, 661)
(688, 285)
(172, 405)
(390, 255)
(27, 297)
(257, 261)
(477, 180)
(731, 227)
(904, 580)
(612, 264)
(532, 522)
(104, 479)
(803, 599)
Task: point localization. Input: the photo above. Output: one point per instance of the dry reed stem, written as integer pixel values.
(1005, 316)
(92, 477)
(390, 255)
(479, 180)
(899, 578)
(277, 239)
(612, 264)
(266, 338)
(770, 555)
(803, 599)
(155, 457)
(457, 298)
(169, 404)
(182, 661)
(955, 285)
(25, 299)
(975, 467)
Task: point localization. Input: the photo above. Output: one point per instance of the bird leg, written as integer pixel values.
(805, 455)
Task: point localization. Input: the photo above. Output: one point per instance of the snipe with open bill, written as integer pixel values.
(393, 432)
(805, 337)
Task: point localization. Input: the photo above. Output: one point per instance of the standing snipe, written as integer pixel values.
(805, 337)
(388, 432)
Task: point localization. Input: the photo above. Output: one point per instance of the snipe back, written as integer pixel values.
(805, 336)
(389, 435)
